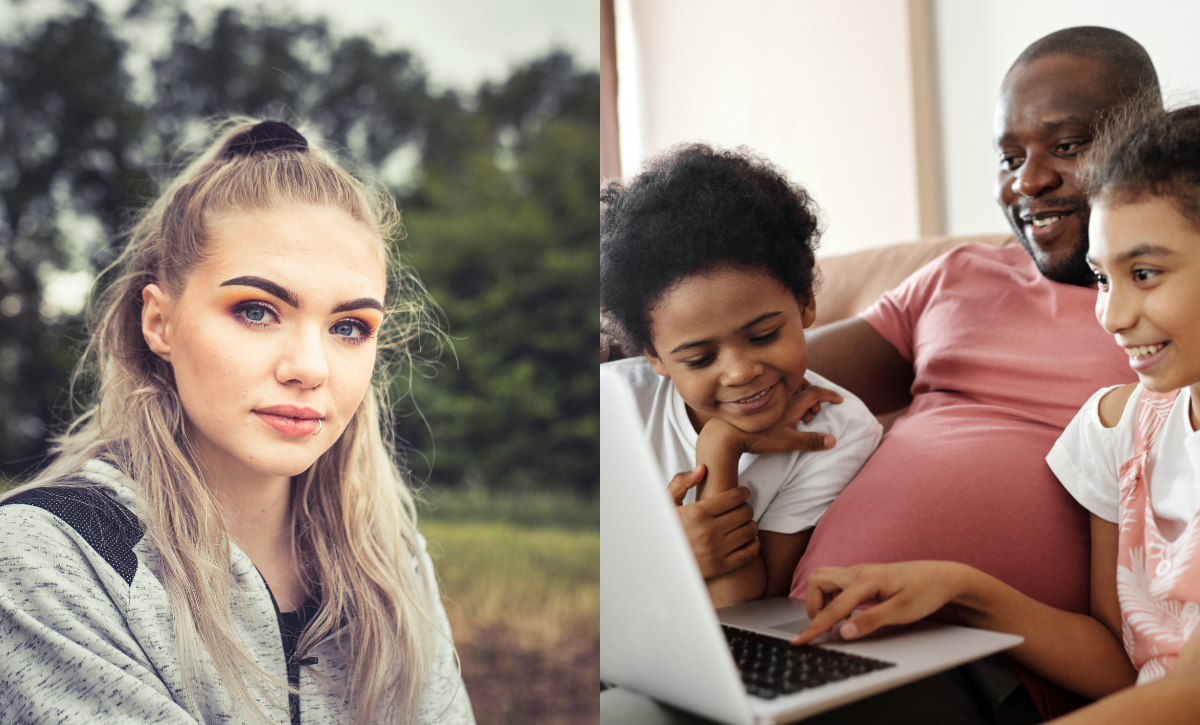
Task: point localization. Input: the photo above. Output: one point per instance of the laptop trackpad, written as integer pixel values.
(790, 628)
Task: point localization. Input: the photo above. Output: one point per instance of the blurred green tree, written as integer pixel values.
(497, 190)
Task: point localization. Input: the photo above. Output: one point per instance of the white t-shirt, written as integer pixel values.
(1087, 459)
(788, 491)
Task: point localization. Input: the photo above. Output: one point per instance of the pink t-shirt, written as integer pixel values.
(1003, 359)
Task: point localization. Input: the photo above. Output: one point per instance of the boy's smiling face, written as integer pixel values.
(732, 341)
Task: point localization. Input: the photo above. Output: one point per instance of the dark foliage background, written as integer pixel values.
(497, 190)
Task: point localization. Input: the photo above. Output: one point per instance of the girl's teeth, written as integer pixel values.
(1045, 222)
(1141, 351)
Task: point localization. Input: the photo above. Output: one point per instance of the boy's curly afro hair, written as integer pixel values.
(694, 209)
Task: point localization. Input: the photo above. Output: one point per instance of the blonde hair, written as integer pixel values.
(353, 519)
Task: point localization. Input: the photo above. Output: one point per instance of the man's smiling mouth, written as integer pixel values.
(1043, 219)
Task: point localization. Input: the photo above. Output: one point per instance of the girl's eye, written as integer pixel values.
(699, 362)
(766, 338)
(1144, 275)
(1101, 281)
(256, 314)
(351, 330)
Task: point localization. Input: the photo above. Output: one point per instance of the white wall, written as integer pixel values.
(821, 88)
(978, 40)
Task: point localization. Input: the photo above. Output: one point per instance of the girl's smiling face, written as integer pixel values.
(1147, 260)
(732, 342)
(274, 329)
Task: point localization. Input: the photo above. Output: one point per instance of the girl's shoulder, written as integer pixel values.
(1112, 404)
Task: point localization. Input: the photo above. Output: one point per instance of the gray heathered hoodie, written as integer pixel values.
(87, 634)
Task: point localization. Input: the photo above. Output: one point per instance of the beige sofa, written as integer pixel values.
(851, 282)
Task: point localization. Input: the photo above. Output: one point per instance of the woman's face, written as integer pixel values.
(275, 329)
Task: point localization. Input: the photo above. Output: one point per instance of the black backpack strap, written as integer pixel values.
(107, 526)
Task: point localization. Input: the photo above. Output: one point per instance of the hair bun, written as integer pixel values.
(262, 138)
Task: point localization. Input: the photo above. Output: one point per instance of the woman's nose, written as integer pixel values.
(303, 361)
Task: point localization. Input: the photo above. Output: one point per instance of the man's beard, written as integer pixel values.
(1071, 268)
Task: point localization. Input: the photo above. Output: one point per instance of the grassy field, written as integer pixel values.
(524, 601)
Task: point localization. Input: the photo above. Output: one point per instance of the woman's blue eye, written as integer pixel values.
(257, 314)
(351, 330)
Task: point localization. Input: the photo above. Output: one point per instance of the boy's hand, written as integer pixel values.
(721, 529)
(806, 403)
(779, 438)
(903, 593)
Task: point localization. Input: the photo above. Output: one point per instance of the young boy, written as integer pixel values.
(707, 266)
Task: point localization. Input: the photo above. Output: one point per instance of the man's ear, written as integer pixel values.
(156, 310)
(808, 314)
(655, 362)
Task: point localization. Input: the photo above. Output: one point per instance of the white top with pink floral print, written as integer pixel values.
(1158, 580)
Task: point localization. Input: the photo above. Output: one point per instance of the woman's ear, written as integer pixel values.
(156, 310)
(808, 314)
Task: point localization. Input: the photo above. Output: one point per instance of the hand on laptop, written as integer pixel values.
(902, 593)
(721, 529)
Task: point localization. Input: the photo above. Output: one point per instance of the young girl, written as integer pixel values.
(707, 265)
(224, 536)
(1131, 457)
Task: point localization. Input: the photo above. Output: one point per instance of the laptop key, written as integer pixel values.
(772, 666)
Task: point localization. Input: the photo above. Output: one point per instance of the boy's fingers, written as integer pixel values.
(807, 397)
(735, 519)
(725, 502)
(741, 536)
(741, 557)
(681, 482)
(808, 441)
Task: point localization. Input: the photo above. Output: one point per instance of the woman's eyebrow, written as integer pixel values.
(359, 304)
(265, 285)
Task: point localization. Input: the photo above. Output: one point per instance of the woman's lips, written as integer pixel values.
(290, 420)
(756, 402)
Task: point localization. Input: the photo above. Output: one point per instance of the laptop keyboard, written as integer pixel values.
(771, 666)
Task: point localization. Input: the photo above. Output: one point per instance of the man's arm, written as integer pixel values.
(852, 354)
(780, 554)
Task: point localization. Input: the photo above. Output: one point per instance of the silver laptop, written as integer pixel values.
(660, 636)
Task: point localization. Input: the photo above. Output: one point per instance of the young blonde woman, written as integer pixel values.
(224, 536)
